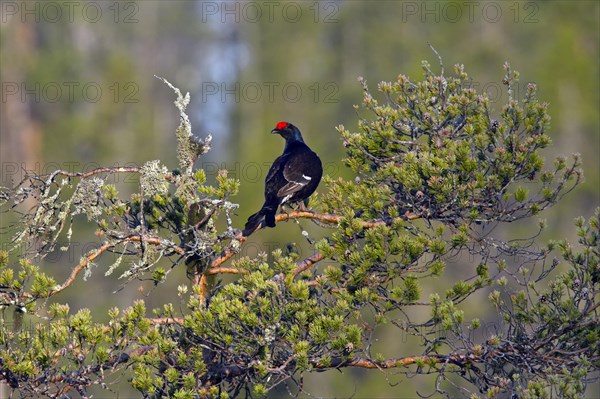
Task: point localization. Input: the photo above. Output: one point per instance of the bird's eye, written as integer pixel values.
(281, 125)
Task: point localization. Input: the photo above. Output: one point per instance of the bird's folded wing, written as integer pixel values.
(296, 179)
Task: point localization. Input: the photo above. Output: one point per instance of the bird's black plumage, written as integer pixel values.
(293, 177)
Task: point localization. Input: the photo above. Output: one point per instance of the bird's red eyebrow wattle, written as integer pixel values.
(281, 125)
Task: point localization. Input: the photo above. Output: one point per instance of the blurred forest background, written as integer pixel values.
(78, 92)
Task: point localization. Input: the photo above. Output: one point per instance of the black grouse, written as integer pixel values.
(293, 177)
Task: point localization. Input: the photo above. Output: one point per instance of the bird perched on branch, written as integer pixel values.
(293, 177)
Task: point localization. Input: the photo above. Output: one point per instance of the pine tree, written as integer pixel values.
(436, 170)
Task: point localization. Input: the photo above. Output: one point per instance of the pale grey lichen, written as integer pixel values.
(88, 270)
(229, 207)
(151, 256)
(115, 264)
(152, 178)
(45, 224)
(189, 148)
(269, 336)
(4, 195)
(187, 188)
(202, 242)
(86, 198)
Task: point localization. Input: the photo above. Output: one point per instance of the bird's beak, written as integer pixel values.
(275, 131)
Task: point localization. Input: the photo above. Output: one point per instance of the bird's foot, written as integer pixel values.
(303, 208)
(285, 212)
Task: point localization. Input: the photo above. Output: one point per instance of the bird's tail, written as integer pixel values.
(266, 215)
